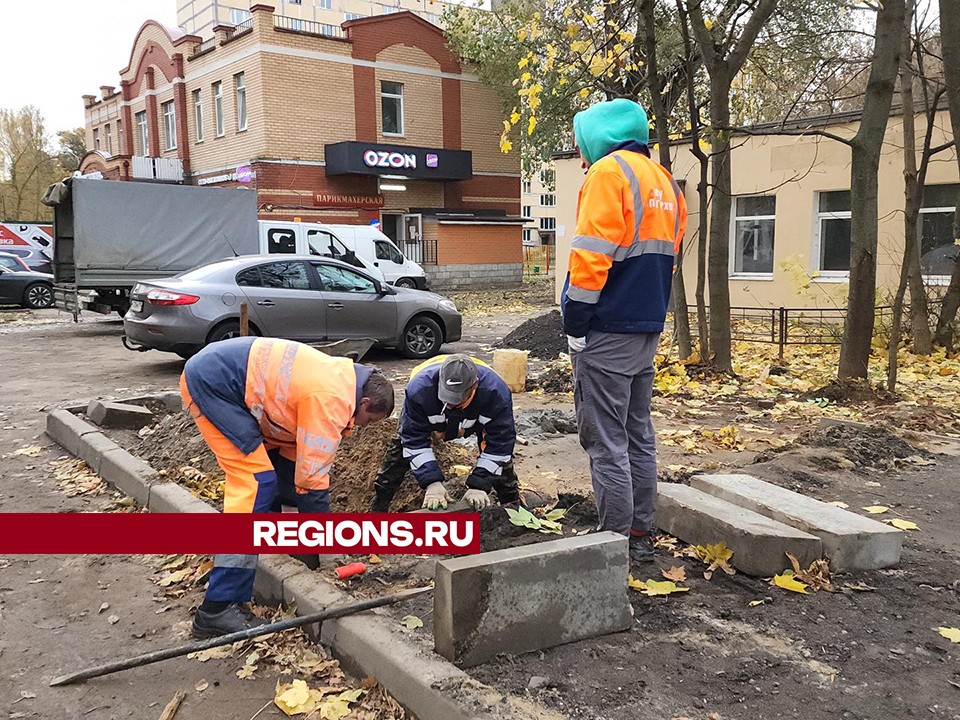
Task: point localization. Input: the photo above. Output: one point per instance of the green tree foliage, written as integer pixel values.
(73, 146)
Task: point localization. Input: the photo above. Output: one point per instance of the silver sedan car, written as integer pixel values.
(305, 298)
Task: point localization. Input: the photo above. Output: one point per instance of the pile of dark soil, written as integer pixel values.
(555, 377)
(359, 458)
(498, 533)
(542, 336)
(870, 446)
(175, 442)
(850, 392)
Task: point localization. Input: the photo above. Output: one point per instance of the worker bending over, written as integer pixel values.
(273, 412)
(452, 397)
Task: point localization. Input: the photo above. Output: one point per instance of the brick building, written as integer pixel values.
(377, 122)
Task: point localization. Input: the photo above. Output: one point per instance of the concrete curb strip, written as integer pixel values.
(428, 686)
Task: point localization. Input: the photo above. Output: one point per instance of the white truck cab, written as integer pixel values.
(370, 244)
(363, 246)
(298, 238)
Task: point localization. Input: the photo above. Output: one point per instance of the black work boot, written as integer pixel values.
(235, 618)
(641, 548)
(381, 499)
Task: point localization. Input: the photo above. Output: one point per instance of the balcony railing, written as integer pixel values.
(155, 168)
(206, 45)
(307, 27)
(240, 28)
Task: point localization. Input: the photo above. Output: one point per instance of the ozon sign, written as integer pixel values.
(395, 160)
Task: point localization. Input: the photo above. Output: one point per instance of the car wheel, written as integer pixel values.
(38, 296)
(406, 283)
(422, 338)
(226, 330)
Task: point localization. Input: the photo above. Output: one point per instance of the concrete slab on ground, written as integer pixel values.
(530, 598)
(851, 542)
(759, 544)
(119, 415)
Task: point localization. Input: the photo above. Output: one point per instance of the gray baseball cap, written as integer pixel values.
(458, 374)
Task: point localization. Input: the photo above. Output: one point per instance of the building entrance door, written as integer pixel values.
(413, 237)
(391, 227)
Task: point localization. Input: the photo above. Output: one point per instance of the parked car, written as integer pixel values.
(299, 297)
(19, 285)
(35, 258)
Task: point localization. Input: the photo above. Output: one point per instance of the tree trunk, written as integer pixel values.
(866, 145)
(703, 196)
(912, 198)
(661, 113)
(719, 250)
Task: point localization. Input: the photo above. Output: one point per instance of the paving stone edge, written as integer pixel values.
(430, 687)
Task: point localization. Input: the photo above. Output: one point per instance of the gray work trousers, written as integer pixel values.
(613, 387)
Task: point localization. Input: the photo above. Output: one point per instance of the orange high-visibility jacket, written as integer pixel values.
(631, 218)
(282, 394)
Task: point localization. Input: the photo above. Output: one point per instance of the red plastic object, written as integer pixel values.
(347, 571)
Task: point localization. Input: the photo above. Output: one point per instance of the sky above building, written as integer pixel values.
(54, 51)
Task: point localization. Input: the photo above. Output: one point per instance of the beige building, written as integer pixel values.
(200, 17)
(789, 230)
(538, 198)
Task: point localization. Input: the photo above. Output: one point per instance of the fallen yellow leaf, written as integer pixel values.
(29, 451)
(374, 560)
(716, 556)
(950, 633)
(903, 524)
(839, 504)
(788, 582)
(295, 698)
(246, 672)
(211, 654)
(656, 587)
(876, 509)
(411, 622)
(754, 603)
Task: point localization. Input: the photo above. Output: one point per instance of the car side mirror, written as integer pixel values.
(384, 289)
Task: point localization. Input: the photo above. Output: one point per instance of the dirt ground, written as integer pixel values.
(870, 652)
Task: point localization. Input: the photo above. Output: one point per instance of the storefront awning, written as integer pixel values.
(398, 161)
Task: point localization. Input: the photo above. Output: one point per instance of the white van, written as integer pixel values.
(297, 238)
(372, 245)
(361, 245)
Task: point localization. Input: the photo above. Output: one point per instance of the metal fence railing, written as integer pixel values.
(207, 44)
(791, 326)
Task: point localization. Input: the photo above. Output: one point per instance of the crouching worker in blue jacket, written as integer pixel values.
(452, 397)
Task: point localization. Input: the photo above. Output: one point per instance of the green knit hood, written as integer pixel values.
(600, 129)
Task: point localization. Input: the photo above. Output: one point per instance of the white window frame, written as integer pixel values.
(933, 279)
(143, 132)
(96, 138)
(392, 96)
(168, 112)
(347, 16)
(325, 4)
(527, 188)
(548, 223)
(108, 138)
(528, 210)
(240, 88)
(219, 125)
(548, 200)
(816, 272)
(732, 259)
(198, 114)
(548, 177)
(238, 16)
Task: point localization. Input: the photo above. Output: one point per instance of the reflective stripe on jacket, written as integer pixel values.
(631, 218)
(281, 394)
(489, 415)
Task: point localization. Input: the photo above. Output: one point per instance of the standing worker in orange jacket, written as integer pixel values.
(273, 412)
(631, 217)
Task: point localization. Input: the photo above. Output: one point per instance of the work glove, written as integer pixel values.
(576, 344)
(477, 499)
(436, 497)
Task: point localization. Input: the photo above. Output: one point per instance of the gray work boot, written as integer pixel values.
(236, 617)
(641, 548)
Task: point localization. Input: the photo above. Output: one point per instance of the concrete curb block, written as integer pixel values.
(367, 644)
